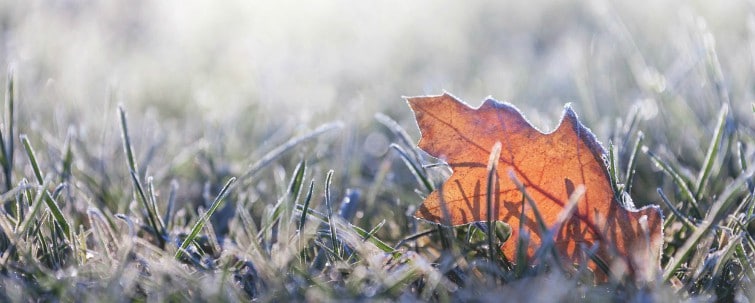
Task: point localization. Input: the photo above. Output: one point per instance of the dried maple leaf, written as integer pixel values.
(549, 167)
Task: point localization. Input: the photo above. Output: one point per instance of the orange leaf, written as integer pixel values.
(549, 167)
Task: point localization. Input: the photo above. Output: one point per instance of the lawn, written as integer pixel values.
(200, 151)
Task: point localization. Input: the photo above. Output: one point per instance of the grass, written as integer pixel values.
(151, 207)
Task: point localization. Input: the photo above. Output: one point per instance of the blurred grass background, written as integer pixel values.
(210, 87)
(335, 60)
(254, 70)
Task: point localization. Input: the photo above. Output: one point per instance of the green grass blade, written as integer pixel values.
(32, 158)
(24, 195)
(168, 217)
(365, 234)
(711, 219)
(127, 148)
(612, 171)
(305, 206)
(65, 173)
(743, 164)
(710, 156)
(726, 253)
(203, 220)
(31, 216)
(329, 206)
(397, 131)
(153, 203)
(283, 209)
(290, 144)
(632, 163)
(681, 183)
(374, 230)
(294, 189)
(495, 154)
(8, 148)
(369, 236)
(522, 243)
(151, 215)
(538, 217)
(297, 181)
(416, 171)
(676, 211)
(4, 161)
(51, 203)
(7, 230)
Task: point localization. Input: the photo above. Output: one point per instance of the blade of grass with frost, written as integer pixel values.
(303, 215)
(250, 227)
(31, 217)
(721, 204)
(55, 247)
(65, 173)
(632, 163)
(297, 181)
(743, 166)
(203, 220)
(127, 140)
(681, 183)
(7, 228)
(593, 254)
(329, 206)
(266, 229)
(4, 161)
(168, 217)
(741, 228)
(281, 149)
(7, 140)
(675, 211)
(549, 238)
(153, 202)
(373, 231)
(414, 237)
(51, 203)
(305, 205)
(152, 216)
(142, 197)
(102, 232)
(538, 217)
(710, 156)
(495, 154)
(725, 254)
(22, 201)
(523, 241)
(421, 177)
(369, 236)
(405, 139)
(445, 231)
(628, 129)
(360, 231)
(397, 131)
(283, 210)
(58, 190)
(40, 237)
(612, 172)
(741, 255)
